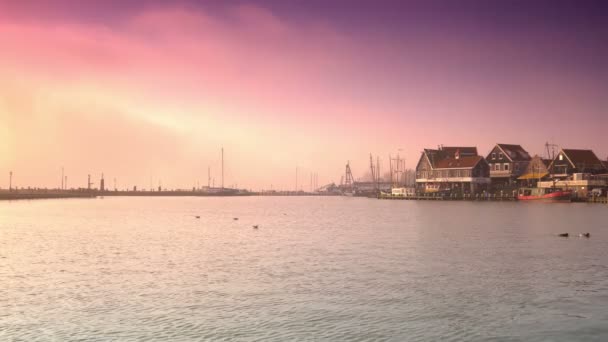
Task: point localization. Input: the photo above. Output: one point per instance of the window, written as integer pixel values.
(561, 157)
(506, 167)
(493, 155)
(496, 167)
(500, 155)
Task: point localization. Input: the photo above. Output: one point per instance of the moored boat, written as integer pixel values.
(544, 194)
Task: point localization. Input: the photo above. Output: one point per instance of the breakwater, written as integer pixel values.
(43, 194)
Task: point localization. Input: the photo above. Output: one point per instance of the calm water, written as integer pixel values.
(317, 269)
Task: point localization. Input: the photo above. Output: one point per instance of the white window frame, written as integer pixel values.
(500, 155)
(493, 155)
(505, 167)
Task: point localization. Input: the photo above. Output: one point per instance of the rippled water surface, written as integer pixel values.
(317, 269)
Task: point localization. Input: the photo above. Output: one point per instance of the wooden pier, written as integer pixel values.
(480, 197)
(436, 197)
(597, 199)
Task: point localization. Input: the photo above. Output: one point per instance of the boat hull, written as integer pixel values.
(558, 196)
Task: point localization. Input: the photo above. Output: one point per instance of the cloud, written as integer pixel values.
(244, 79)
(157, 90)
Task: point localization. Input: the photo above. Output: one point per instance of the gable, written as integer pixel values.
(423, 162)
(515, 152)
(496, 153)
(578, 161)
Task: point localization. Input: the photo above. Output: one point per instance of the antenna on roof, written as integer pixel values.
(550, 154)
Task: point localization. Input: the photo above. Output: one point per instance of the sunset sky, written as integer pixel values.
(151, 90)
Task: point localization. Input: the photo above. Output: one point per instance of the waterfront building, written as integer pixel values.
(536, 170)
(581, 184)
(578, 170)
(507, 162)
(571, 161)
(453, 170)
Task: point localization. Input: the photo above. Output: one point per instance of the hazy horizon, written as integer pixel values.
(146, 91)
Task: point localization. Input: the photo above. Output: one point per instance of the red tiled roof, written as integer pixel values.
(464, 151)
(446, 157)
(460, 163)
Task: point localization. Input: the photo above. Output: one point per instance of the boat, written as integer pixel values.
(544, 194)
(349, 193)
(552, 194)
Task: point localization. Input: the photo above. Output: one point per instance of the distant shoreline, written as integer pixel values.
(32, 195)
(59, 194)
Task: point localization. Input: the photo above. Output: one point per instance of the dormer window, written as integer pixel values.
(500, 155)
(561, 157)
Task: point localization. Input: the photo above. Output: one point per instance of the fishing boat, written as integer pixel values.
(349, 192)
(544, 194)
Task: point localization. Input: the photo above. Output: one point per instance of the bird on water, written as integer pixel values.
(584, 235)
(197, 216)
(563, 235)
(255, 226)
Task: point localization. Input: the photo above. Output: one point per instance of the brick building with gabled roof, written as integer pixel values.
(507, 162)
(570, 161)
(452, 169)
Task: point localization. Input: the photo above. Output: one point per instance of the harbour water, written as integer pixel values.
(317, 269)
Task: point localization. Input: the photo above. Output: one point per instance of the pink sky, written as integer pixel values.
(156, 94)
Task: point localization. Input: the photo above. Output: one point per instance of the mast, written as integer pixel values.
(222, 167)
(390, 165)
(349, 180)
(372, 169)
(311, 182)
(378, 172)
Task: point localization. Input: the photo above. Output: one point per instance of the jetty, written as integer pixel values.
(450, 197)
(30, 194)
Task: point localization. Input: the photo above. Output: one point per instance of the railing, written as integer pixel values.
(500, 173)
(503, 196)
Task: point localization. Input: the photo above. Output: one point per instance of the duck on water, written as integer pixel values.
(587, 235)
